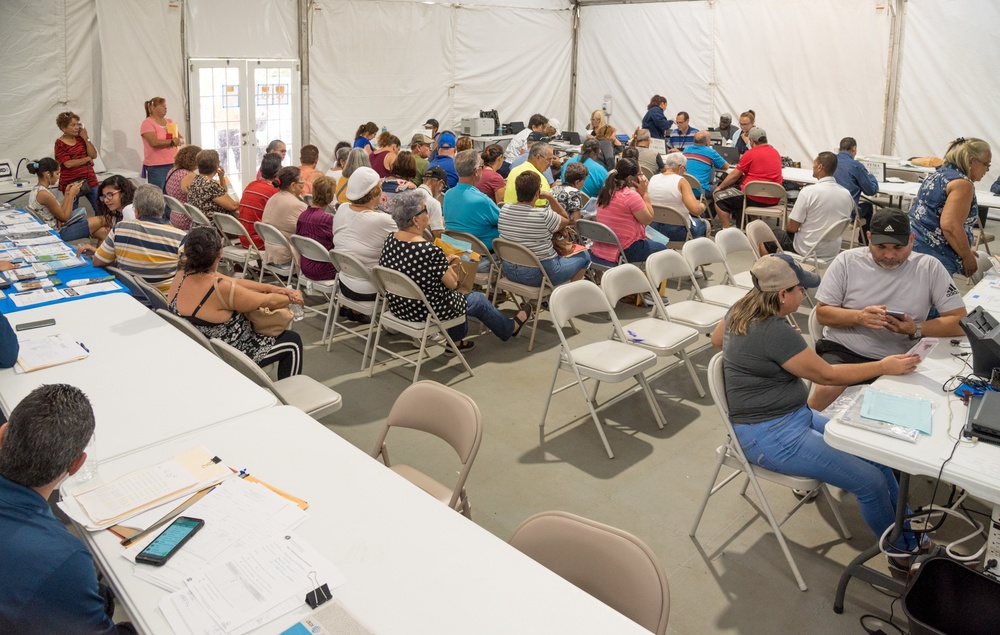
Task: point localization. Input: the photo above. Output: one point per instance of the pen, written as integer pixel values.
(83, 346)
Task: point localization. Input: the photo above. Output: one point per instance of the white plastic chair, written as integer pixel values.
(607, 361)
(346, 263)
(175, 205)
(699, 315)
(198, 217)
(233, 250)
(731, 454)
(518, 254)
(301, 391)
(311, 249)
(732, 241)
(271, 235)
(656, 333)
(389, 281)
(700, 252)
(764, 189)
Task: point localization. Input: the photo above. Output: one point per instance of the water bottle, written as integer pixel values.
(297, 311)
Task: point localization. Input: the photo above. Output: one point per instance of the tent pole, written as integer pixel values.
(898, 8)
(304, 133)
(187, 73)
(572, 69)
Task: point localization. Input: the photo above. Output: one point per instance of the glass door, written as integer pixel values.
(238, 106)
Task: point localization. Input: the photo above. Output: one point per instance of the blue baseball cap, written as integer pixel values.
(446, 140)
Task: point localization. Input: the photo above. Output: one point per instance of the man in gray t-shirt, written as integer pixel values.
(864, 285)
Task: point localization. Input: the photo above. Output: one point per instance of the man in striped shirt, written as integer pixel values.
(146, 247)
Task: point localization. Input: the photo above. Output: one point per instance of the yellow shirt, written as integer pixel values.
(510, 194)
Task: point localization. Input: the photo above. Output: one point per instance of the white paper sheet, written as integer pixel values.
(135, 490)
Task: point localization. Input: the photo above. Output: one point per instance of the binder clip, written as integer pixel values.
(320, 593)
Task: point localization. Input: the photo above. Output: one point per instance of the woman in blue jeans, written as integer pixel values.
(765, 360)
(408, 252)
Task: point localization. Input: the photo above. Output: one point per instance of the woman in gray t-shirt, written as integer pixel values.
(765, 361)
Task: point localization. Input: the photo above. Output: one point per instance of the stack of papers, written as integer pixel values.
(106, 504)
(37, 353)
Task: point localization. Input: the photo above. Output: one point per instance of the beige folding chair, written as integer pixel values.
(485, 279)
(696, 186)
(301, 391)
(307, 199)
(731, 454)
(156, 298)
(981, 238)
(656, 333)
(610, 564)
(834, 231)
(233, 250)
(606, 360)
(671, 216)
(185, 327)
(198, 217)
(175, 205)
(131, 282)
(759, 232)
(815, 328)
(600, 233)
(389, 281)
(449, 415)
(732, 241)
(348, 264)
(311, 249)
(518, 254)
(700, 252)
(584, 199)
(699, 315)
(271, 235)
(646, 172)
(857, 226)
(768, 190)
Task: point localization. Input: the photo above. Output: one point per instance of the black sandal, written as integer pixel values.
(463, 345)
(520, 323)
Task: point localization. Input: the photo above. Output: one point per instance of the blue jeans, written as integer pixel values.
(92, 197)
(157, 174)
(479, 307)
(793, 444)
(560, 269)
(76, 228)
(677, 232)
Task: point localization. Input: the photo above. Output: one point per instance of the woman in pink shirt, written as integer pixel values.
(491, 183)
(623, 205)
(160, 139)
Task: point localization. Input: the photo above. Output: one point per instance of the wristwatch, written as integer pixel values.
(917, 334)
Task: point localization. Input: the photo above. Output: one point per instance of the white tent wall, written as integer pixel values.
(948, 78)
(415, 60)
(241, 29)
(813, 72)
(48, 50)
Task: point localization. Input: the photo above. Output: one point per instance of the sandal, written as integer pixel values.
(518, 323)
(463, 345)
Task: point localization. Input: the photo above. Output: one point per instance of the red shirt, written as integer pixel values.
(252, 203)
(619, 215)
(761, 163)
(64, 153)
(489, 183)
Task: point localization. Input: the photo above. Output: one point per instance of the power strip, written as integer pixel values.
(992, 559)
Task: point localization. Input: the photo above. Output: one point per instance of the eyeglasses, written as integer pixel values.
(423, 211)
(300, 182)
(984, 164)
(110, 195)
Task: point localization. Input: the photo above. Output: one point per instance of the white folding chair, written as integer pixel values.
(390, 281)
(731, 454)
(671, 216)
(301, 391)
(732, 241)
(700, 252)
(834, 231)
(600, 233)
(656, 333)
(185, 327)
(176, 206)
(451, 416)
(198, 217)
(764, 189)
(607, 360)
(348, 264)
(699, 315)
(233, 250)
(518, 254)
(271, 235)
(311, 249)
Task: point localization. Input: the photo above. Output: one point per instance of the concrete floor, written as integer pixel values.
(731, 578)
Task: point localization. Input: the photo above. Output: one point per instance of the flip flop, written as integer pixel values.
(520, 323)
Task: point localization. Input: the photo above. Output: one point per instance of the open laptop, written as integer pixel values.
(516, 126)
(729, 153)
(571, 137)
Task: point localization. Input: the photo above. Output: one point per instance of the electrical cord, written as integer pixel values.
(875, 625)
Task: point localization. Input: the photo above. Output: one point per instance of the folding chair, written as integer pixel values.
(699, 315)
(671, 216)
(484, 280)
(131, 282)
(646, 172)
(732, 241)
(656, 333)
(981, 238)
(311, 249)
(198, 217)
(764, 189)
(832, 232)
(696, 186)
(233, 250)
(271, 235)
(612, 565)
(451, 416)
(155, 297)
(731, 454)
(700, 252)
(607, 360)
(176, 207)
(346, 263)
(185, 327)
(518, 254)
(600, 233)
(301, 391)
(389, 281)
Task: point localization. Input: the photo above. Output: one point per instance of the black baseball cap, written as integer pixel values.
(431, 123)
(436, 172)
(890, 226)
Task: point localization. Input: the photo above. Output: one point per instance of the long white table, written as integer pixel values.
(412, 564)
(27, 181)
(147, 381)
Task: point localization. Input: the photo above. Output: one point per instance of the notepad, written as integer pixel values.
(37, 353)
(901, 410)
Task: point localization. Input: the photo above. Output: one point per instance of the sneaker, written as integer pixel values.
(805, 494)
(647, 300)
(699, 274)
(465, 346)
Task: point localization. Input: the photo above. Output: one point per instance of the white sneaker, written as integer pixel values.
(699, 274)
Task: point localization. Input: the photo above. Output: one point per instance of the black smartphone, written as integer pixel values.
(899, 315)
(169, 541)
(27, 326)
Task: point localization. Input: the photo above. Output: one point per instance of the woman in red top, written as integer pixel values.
(491, 183)
(383, 159)
(75, 155)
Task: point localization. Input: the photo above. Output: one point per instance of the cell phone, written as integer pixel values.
(27, 326)
(170, 541)
(899, 315)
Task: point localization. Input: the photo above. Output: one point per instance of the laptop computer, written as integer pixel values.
(516, 126)
(571, 137)
(984, 417)
(729, 153)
